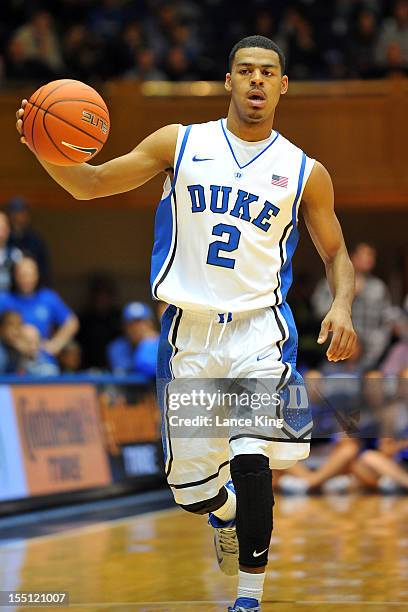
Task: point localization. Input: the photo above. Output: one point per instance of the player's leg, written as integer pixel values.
(196, 462)
(263, 448)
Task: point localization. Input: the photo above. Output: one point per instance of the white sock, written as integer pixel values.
(251, 585)
(228, 511)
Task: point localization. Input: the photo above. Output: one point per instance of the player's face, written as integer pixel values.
(256, 84)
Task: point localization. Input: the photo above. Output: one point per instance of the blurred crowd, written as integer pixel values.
(40, 335)
(185, 40)
(360, 406)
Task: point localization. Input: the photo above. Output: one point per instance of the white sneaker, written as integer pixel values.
(338, 484)
(225, 542)
(293, 484)
(387, 485)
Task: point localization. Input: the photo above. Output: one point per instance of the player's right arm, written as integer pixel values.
(153, 155)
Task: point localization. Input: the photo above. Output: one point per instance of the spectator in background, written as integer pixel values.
(70, 358)
(178, 66)
(396, 359)
(361, 48)
(39, 42)
(82, 54)
(394, 32)
(370, 307)
(10, 341)
(136, 351)
(100, 322)
(386, 468)
(304, 58)
(130, 43)
(35, 361)
(23, 237)
(8, 254)
(40, 307)
(145, 68)
(396, 65)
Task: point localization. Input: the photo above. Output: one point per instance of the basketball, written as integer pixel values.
(66, 122)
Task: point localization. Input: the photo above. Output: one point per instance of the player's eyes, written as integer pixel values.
(244, 71)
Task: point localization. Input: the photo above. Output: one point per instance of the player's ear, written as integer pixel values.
(227, 83)
(284, 84)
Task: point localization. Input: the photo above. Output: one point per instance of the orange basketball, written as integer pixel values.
(66, 122)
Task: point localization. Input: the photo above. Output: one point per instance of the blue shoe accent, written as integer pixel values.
(245, 604)
(217, 523)
(230, 485)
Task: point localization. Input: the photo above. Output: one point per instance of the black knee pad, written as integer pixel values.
(208, 505)
(252, 480)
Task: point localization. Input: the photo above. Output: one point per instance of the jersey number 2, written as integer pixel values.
(213, 257)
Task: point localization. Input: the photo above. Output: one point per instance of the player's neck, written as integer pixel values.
(250, 132)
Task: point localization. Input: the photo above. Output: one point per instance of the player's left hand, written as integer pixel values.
(338, 322)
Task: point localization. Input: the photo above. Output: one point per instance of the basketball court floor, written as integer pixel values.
(334, 553)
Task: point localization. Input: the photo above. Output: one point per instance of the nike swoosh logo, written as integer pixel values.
(256, 554)
(263, 357)
(198, 159)
(88, 150)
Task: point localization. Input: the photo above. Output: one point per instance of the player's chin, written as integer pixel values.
(255, 115)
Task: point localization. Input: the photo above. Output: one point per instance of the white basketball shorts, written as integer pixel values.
(227, 385)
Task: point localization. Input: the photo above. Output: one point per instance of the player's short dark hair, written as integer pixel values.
(261, 42)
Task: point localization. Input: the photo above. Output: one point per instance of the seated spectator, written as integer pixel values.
(40, 307)
(136, 351)
(145, 68)
(82, 54)
(35, 361)
(394, 31)
(23, 237)
(10, 342)
(8, 254)
(178, 66)
(70, 358)
(386, 467)
(362, 45)
(40, 42)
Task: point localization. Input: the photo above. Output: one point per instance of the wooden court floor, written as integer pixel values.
(334, 553)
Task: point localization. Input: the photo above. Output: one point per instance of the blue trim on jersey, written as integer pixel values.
(164, 226)
(254, 158)
(180, 157)
(286, 275)
(164, 372)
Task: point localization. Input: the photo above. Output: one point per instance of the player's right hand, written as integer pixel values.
(19, 123)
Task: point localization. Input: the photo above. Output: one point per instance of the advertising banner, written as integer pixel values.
(61, 438)
(132, 434)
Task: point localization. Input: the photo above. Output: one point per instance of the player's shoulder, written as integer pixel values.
(205, 127)
(290, 147)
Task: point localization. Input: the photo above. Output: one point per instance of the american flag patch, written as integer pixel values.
(280, 181)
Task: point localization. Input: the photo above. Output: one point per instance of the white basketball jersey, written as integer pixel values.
(226, 228)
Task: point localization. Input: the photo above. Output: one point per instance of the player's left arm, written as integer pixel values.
(325, 231)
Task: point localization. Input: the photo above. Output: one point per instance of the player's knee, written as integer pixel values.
(207, 505)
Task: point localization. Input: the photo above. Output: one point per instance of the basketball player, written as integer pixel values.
(224, 238)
